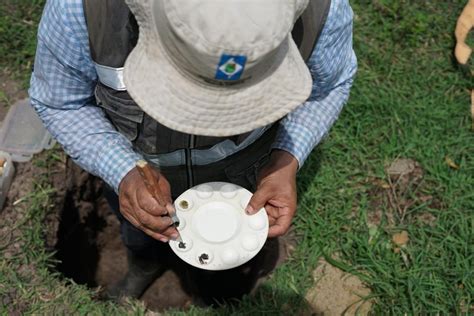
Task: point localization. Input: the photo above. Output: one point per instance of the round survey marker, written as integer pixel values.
(217, 233)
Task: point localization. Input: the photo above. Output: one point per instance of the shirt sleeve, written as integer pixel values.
(62, 92)
(333, 65)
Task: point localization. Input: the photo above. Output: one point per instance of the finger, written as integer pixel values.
(171, 233)
(147, 231)
(280, 227)
(272, 211)
(155, 223)
(155, 235)
(271, 221)
(162, 189)
(258, 200)
(147, 203)
(170, 209)
(165, 189)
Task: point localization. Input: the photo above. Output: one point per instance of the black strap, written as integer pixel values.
(308, 28)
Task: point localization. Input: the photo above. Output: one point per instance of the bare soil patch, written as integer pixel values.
(14, 212)
(337, 293)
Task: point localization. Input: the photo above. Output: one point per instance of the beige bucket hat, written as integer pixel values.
(214, 67)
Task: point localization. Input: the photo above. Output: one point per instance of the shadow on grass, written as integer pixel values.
(309, 171)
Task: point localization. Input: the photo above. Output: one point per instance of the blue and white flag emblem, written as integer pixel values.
(231, 67)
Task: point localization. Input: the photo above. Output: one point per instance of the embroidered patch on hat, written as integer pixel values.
(231, 67)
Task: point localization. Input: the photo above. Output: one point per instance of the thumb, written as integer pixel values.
(258, 200)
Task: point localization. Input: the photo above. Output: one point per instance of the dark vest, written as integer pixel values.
(113, 33)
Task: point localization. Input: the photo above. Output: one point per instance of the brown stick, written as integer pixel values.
(151, 181)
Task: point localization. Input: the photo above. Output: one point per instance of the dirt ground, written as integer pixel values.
(86, 237)
(337, 293)
(12, 91)
(84, 232)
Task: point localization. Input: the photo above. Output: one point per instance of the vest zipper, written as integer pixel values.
(189, 161)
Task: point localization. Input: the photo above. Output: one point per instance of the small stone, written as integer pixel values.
(401, 166)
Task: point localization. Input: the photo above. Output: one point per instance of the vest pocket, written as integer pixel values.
(244, 175)
(122, 112)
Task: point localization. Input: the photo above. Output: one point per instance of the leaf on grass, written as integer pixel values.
(401, 239)
(293, 287)
(381, 183)
(451, 163)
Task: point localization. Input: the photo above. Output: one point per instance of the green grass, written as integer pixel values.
(410, 100)
(18, 25)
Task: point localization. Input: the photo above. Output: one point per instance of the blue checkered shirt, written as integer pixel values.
(64, 78)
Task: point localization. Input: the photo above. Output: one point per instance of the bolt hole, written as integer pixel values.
(184, 204)
(182, 245)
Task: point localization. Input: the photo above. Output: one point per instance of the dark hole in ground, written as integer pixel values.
(77, 248)
(81, 222)
(90, 252)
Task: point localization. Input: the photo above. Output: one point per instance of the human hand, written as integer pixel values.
(141, 209)
(276, 191)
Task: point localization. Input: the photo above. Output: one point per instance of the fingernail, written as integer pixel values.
(174, 236)
(170, 208)
(249, 210)
(165, 240)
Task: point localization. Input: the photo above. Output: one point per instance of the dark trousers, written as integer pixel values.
(241, 169)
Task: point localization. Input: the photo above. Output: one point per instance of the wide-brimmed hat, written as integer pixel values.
(215, 67)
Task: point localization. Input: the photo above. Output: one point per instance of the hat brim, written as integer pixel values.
(187, 105)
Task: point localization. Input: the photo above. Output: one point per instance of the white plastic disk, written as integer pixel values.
(217, 233)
